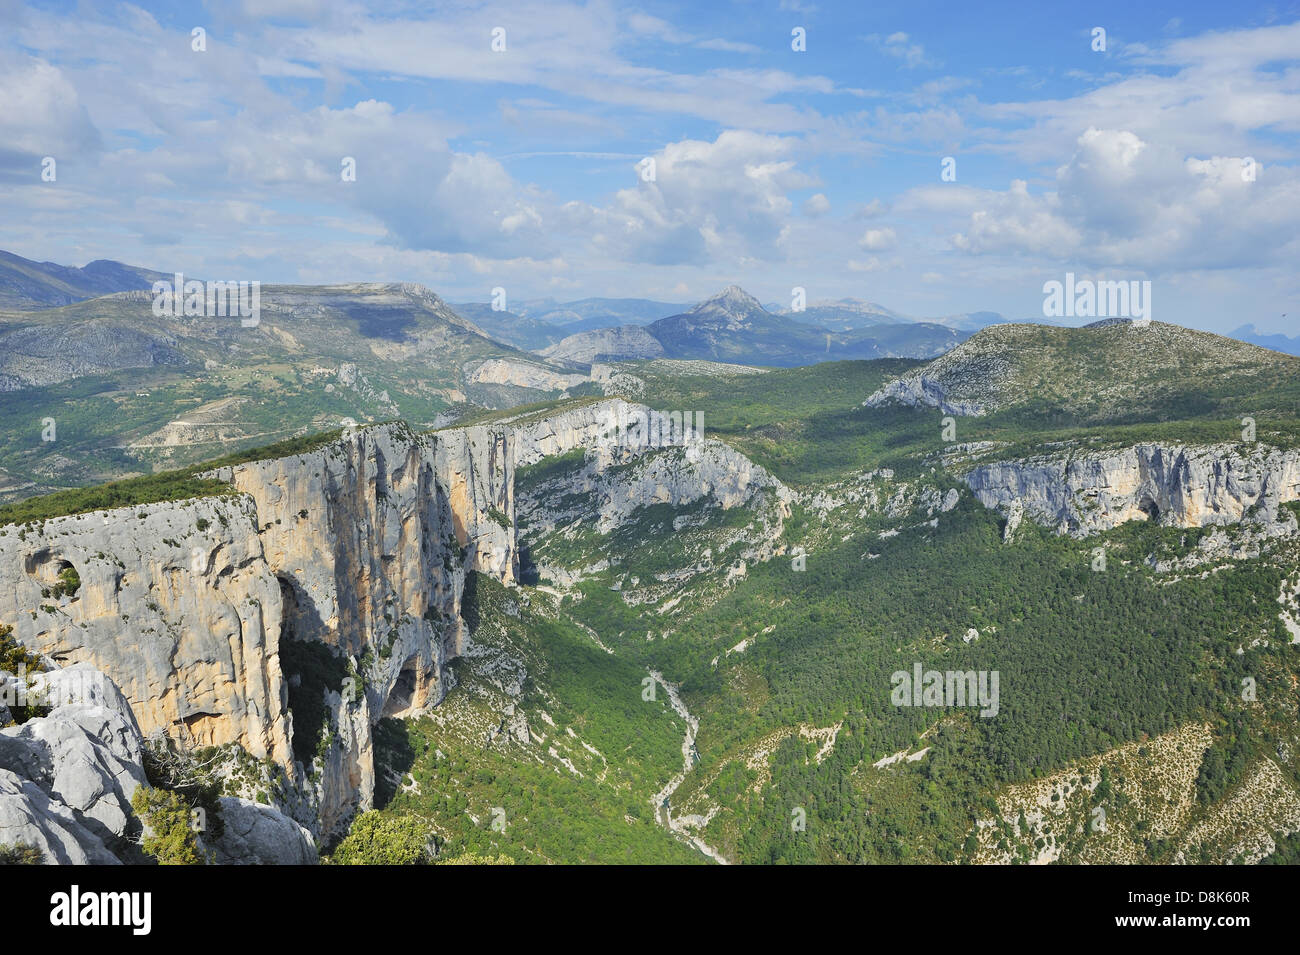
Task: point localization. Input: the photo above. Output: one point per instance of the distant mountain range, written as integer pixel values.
(634, 328)
(733, 326)
(25, 284)
(1247, 333)
(534, 324)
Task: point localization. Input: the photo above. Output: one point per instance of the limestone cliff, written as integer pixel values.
(177, 603)
(1180, 486)
(610, 424)
(361, 545)
(370, 538)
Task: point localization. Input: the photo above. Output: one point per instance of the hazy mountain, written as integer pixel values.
(25, 284)
(590, 313)
(1282, 343)
(733, 326)
(530, 334)
(844, 314)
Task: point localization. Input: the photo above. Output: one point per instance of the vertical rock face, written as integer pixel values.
(1177, 486)
(176, 603)
(361, 545)
(370, 538)
(477, 468)
(612, 424)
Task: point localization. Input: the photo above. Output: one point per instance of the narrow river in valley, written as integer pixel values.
(664, 815)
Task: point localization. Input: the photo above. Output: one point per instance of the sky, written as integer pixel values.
(506, 145)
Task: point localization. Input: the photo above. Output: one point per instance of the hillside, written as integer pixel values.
(129, 391)
(25, 284)
(1101, 371)
(769, 583)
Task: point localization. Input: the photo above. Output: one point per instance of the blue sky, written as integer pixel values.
(774, 168)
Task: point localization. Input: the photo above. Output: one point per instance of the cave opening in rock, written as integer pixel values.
(1150, 508)
(529, 575)
(403, 693)
(57, 575)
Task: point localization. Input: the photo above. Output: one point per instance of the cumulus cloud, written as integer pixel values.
(877, 240)
(42, 115)
(1122, 201)
(727, 199)
(816, 205)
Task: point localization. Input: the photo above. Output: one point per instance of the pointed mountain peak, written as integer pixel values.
(733, 302)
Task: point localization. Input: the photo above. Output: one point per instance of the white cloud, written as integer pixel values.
(1121, 201)
(877, 240)
(724, 200)
(42, 114)
(900, 47)
(816, 205)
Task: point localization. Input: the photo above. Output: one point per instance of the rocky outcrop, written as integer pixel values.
(29, 816)
(616, 432)
(254, 834)
(176, 603)
(627, 469)
(521, 374)
(611, 425)
(66, 779)
(624, 343)
(919, 390)
(1179, 486)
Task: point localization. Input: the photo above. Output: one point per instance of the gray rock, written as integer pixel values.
(260, 835)
(624, 343)
(85, 755)
(29, 815)
(1192, 486)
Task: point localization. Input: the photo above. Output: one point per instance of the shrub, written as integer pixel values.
(14, 659)
(171, 839)
(69, 583)
(377, 839)
(475, 858)
(21, 853)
